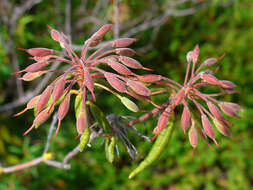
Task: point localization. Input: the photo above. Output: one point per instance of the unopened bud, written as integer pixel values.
(125, 52)
(230, 111)
(149, 78)
(139, 88)
(63, 110)
(209, 78)
(44, 98)
(193, 136)
(31, 76)
(129, 104)
(186, 118)
(227, 84)
(210, 62)
(123, 42)
(115, 82)
(119, 67)
(88, 82)
(132, 63)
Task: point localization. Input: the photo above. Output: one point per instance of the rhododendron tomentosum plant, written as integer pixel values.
(84, 74)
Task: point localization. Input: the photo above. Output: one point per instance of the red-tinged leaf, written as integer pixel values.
(123, 42)
(121, 69)
(88, 82)
(193, 136)
(139, 88)
(186, 118)
(115, 82)
(44, 98)
(149, 78)
(210, 79)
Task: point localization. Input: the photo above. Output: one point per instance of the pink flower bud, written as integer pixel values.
(88, 82)
(115, 82)
(139, 88)
(58, 90)
(81, 122)
(208, 128)
(215, 111)
(210, 79)
(162, 121)
(222, 128)
(210, 62)
(63, 110)
(195, 54)
(119, 67)
(233, 106)
(193, 137)
(228, 109)
(31, 76)
(125, 52)
(44, 98)
(217, 114)
(101, 32)
(186, 118)
(123, 42)
(54, 34)
(30, 105)
(179, 97)
(189, 56)
(38, 52)
(227, 84)
(149, 78)
(34, 67)
(39, 119)
(44, 58)
(132, 63)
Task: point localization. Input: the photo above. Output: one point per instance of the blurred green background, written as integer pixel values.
(217, 29)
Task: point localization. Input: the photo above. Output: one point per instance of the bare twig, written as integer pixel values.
(116, 19)
(50, 133)
(68, 18)
(71, 154)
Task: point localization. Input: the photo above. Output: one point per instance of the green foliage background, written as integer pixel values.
(216, 30)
